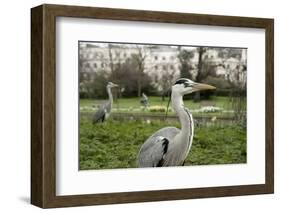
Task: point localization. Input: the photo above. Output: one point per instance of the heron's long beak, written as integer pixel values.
(115, 85)
(199, 86)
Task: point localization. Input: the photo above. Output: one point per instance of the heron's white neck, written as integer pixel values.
(184, 116)
(109, 95)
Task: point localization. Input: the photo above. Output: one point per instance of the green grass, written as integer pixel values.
(218, 101)
(115, 144)
(218, 145)
(132, 105)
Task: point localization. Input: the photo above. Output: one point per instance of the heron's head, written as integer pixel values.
(185, 86)
(111, 85)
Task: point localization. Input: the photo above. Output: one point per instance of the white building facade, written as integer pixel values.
(159, 61)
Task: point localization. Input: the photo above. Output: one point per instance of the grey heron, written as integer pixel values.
(104, 110)
(170, 146)
(144, 100)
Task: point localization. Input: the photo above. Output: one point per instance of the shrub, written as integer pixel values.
(157, 109)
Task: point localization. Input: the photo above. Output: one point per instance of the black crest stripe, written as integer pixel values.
(181, 81)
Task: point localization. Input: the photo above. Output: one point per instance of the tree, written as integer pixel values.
(201, 72)
(126, 75)
(94, 88)
(167, 81)
(139, 58)
(111, 62)
(184, 57)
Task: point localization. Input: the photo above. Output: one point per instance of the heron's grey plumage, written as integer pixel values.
(180, 140)
(170, 146)
(144, 100)
(102, 113)
(152, 151)
(105, 109)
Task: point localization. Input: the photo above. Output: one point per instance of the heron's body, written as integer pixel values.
(144, 100)
(170, 146)
(102, 114)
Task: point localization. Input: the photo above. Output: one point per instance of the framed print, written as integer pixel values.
(136, 106)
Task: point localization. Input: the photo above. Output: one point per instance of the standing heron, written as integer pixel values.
(144, 100)
(170, 146)
(104, 110)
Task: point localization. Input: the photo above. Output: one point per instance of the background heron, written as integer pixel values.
(170, 146)
(144, 100)
(104, 110)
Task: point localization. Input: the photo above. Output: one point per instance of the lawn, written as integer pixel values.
(218, 101)
(115, 144)
(156, 105)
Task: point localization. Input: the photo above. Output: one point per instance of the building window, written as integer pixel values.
(125, 55)
(95, 65)
(164, 67)
(163, 58)
(156, 67)
(171, 67)
(156, 58)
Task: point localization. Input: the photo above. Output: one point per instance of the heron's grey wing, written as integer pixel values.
(99, 116)
(152, 152)
(153, 155)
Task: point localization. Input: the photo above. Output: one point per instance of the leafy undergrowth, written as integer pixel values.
(115, 144)
(218, 145)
